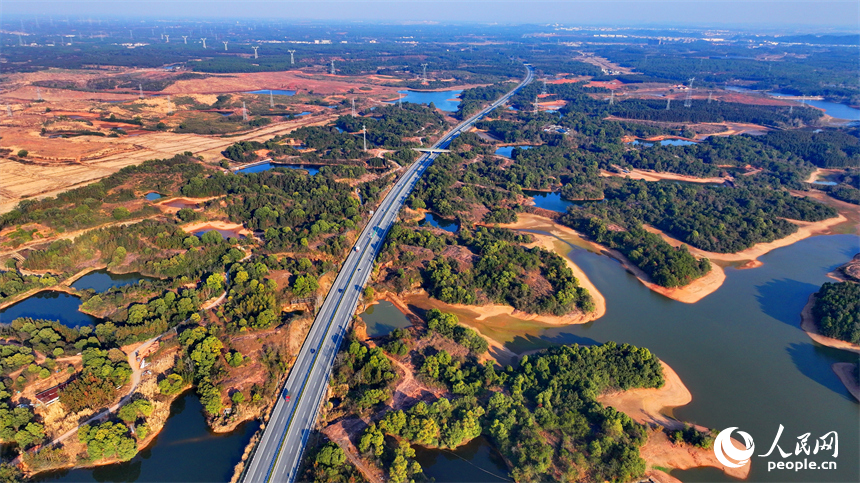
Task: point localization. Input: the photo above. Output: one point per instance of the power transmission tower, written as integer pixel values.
(255, 47)
(536, 106)
(668, 101)
(38, 94)
(169, 107)
(710, 96)
(332, 66)
(543, 91)
(425, 72)
(612, 98)
(8, 110)
(364, 136)
(225, 45)
(244, 112)
(140, 88)
(204, 42)
(167, 38)
(271, 99)
(185, 39)
(353, 107)
(292, 61)
(689, 100)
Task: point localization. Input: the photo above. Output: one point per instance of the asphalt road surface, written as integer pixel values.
(278, 455)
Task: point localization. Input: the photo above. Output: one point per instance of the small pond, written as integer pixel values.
(383, 317)
(49, 305)
(152, 196)
(507, 151)
(665, 142)
(475, 462)
(553, 201)
(445, 100)
(101, 280)
(437, 221)
(258, 168)
(274, 92)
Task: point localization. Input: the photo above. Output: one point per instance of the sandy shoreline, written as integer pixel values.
(845, 372)
(657, 176)
(690, 293)
(805, 229)
(218, 225)
(807, 323)
(646, 406)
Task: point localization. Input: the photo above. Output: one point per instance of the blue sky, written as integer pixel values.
(813, 15)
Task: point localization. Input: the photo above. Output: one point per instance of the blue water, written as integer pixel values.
(49, 305)
(439, 222)
(275, 92)
(826, 183)
(832, 109)
(267, 166)
(665, 142)
(507, 151)
(383, 317)
(440, 99)
(101, 280)
(153, 196)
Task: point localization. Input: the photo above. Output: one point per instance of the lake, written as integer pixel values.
(507, 151)
(185, 450)
(152, 196)
(383, 317)
(445, 100)
(274, 92)
(665, 142)
(101, 280)
(832, 109)
(49, 305)
(740, 350)
(553, 201)
(438, 222)
(257, 168)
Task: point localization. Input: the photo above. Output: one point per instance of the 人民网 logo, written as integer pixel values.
(724, 449)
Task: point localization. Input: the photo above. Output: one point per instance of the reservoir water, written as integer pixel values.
(445, 100)
(740, 350)
(101, 280)
(257, 168)
(438, 222)
(832, 109)
(185, 450)
(49, 305)
(383, 317)
(507, 151)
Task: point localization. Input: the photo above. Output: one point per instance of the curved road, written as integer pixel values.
(277, 457)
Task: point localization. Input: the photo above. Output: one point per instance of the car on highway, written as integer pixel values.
(313, 350)
(286, 395)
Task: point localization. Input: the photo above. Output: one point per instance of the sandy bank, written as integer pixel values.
(552, 244)
(657, 176)
(218, 225)
(846, 374)
(805, 229)
(690, 293)
(807, 323)
(646, 406)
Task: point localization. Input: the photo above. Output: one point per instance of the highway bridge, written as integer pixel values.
(277, 457)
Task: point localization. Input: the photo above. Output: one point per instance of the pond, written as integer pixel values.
(152, 196)
(274, 92)
(553, 201)
(438, 222)
(445, 100)
(225, 234)
(101, 280)
(507, 151)
(383, 317)
(49, 305)
(665, 142)
(185, 450)
(476, 462)
(258, 168)
(740, 350)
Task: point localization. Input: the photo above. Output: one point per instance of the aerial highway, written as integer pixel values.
(277, 456)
